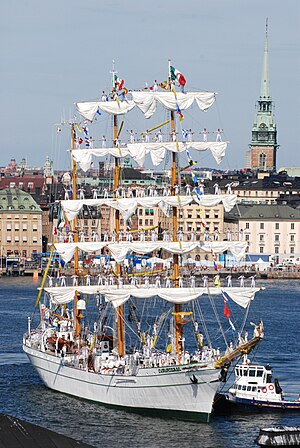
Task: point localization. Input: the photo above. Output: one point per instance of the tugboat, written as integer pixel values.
(254, 387)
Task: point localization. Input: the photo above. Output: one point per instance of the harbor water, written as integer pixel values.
(24, 396)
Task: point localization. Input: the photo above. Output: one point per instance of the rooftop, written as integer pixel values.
(16, 200)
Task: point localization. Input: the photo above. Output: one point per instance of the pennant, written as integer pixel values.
(85, 130)
(216, 267)
(178, 111)
(164, 85)
(58, 130)
(184, 135)
(98, 112)
(119, 83)
(231, 324)
(60, 219)
(176, 75)
(78, 128)
(226, 311)
(225, 296)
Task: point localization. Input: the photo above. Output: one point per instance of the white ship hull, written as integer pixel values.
(166, 391)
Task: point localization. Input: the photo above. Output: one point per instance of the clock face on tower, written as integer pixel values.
(262, 126)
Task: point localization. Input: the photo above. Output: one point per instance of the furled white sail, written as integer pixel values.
(84, 157)
(88, 109)
(118, 296)
(120, 250)
(139, 151)
(128, 206)
(147, 101)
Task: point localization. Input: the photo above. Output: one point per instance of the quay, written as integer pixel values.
(17, 433)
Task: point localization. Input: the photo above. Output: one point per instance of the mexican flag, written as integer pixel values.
(176, 75)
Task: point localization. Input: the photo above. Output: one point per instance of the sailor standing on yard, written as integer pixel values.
(157, 282)
(168, 281)
(193, 283)
(50, 281)
(252, 281)
(229, 281)
(242, 281)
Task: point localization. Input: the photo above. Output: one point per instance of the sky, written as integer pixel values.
(55, 53)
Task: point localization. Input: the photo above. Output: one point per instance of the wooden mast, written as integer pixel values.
(77, 313)
(178, 325)
(120, 310)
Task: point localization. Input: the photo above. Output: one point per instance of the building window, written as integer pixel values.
(30, 185)
(34, 240)
(140, 222)
(262, 161)
(25, 239)
(262, 225)
(277, 225)
(151, 222)
(207, 214)
(261, 249)
(277, 237)
(12, 185)
(292, 249)
(292, 238)
(261, 237)
(140, 211)
(292, 226)
(16, 239)
(146, 222)
(247, 225)
(276, 250)
(247, 237)
(8, 239)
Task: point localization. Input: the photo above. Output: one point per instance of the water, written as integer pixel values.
(24, 396)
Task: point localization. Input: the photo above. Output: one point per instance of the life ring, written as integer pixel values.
(271, 387)
(264, 390)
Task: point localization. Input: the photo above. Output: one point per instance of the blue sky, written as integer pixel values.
(58, 52)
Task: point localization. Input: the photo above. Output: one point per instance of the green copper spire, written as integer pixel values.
(265, 82)
(264, 133)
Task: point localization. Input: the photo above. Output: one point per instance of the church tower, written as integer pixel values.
(263, 145)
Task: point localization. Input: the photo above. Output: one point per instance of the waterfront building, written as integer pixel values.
(20, 223)
(272, 231)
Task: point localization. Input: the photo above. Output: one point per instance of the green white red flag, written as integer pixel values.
(176, 75)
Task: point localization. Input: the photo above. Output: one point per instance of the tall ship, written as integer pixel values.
(136, 336)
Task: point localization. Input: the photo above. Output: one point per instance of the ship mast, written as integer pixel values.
(120, 310)
(178, 325)
(77, 313)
